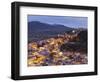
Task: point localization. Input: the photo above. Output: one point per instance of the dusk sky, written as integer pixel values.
(70, 21)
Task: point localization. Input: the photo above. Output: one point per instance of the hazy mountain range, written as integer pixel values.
(39, 31)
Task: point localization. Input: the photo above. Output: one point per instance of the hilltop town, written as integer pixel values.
(64, 49)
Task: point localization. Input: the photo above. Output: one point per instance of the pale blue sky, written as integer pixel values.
(70, 21)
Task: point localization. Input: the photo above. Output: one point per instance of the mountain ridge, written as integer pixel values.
(39, 31)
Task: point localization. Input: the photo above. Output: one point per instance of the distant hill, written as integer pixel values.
(39, 31)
